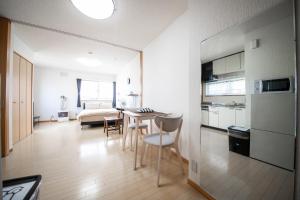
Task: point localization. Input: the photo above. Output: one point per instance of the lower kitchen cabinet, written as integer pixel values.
(205, 117)
(226, 117)
(223, 117)
(213, 117)
(240, 117)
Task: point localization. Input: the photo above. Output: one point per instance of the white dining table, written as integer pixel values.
(138, 117)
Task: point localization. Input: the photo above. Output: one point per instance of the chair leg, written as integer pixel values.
(106, 129)
(104, 126)
(131, 133)
(180, 158)
(158, 165)
(147, 132)
(124, 139)
(122, 123)
(146, 150)
(170, 152)
(143, 152)
(125, 123)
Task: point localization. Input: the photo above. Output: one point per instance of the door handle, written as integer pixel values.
(14, 102)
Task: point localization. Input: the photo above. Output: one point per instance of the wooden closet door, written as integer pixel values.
(23, 115)
(15, 99)
(28, 98)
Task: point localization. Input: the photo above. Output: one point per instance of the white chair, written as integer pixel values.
(166, 124)
(132, 127)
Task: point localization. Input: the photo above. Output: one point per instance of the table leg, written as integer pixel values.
(151, 120)
(137, 130)
(122, 122)
(119, 126)
(125, 123)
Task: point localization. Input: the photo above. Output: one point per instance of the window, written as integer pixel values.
(228, 87)
(96, 90)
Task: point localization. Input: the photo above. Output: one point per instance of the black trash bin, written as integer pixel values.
(25, 188)
(239, 140)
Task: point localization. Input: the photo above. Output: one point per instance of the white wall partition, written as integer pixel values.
(166, 75)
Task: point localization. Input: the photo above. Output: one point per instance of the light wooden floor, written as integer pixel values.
(227, 175)
(78, 164)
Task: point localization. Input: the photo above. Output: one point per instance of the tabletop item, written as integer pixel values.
(145, 110)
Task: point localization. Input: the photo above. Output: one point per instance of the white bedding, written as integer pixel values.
(93, 115)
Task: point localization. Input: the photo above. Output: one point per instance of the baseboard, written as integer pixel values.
(47, 121)
(215, 128)
(201, 190)
(183, 158)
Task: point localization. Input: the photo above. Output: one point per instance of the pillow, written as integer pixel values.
(90, 105)
(106, 105)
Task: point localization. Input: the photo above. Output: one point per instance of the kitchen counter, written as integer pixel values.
(207, 104)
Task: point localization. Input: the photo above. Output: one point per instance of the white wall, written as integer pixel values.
(132, 71)
(166, 85)
(21, 48)
(51, 83)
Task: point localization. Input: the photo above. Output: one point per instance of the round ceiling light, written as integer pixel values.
(97, 9)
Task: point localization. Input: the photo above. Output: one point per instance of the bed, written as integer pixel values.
(94, 113)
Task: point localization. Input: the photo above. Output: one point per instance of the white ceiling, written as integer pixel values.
(232, 40)
(228, 42)
(134, 24)
(58, 50)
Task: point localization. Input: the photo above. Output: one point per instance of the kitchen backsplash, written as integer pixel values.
(223, 99)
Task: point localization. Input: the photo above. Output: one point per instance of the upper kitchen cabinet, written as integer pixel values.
(219, 66)
(233, 63)
(229, 64)
(213, 117)
(242, 61)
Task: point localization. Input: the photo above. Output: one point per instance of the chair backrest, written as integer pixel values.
(169, 123)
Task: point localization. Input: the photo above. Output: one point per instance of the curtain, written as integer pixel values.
(78, 90)
(114, 103)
